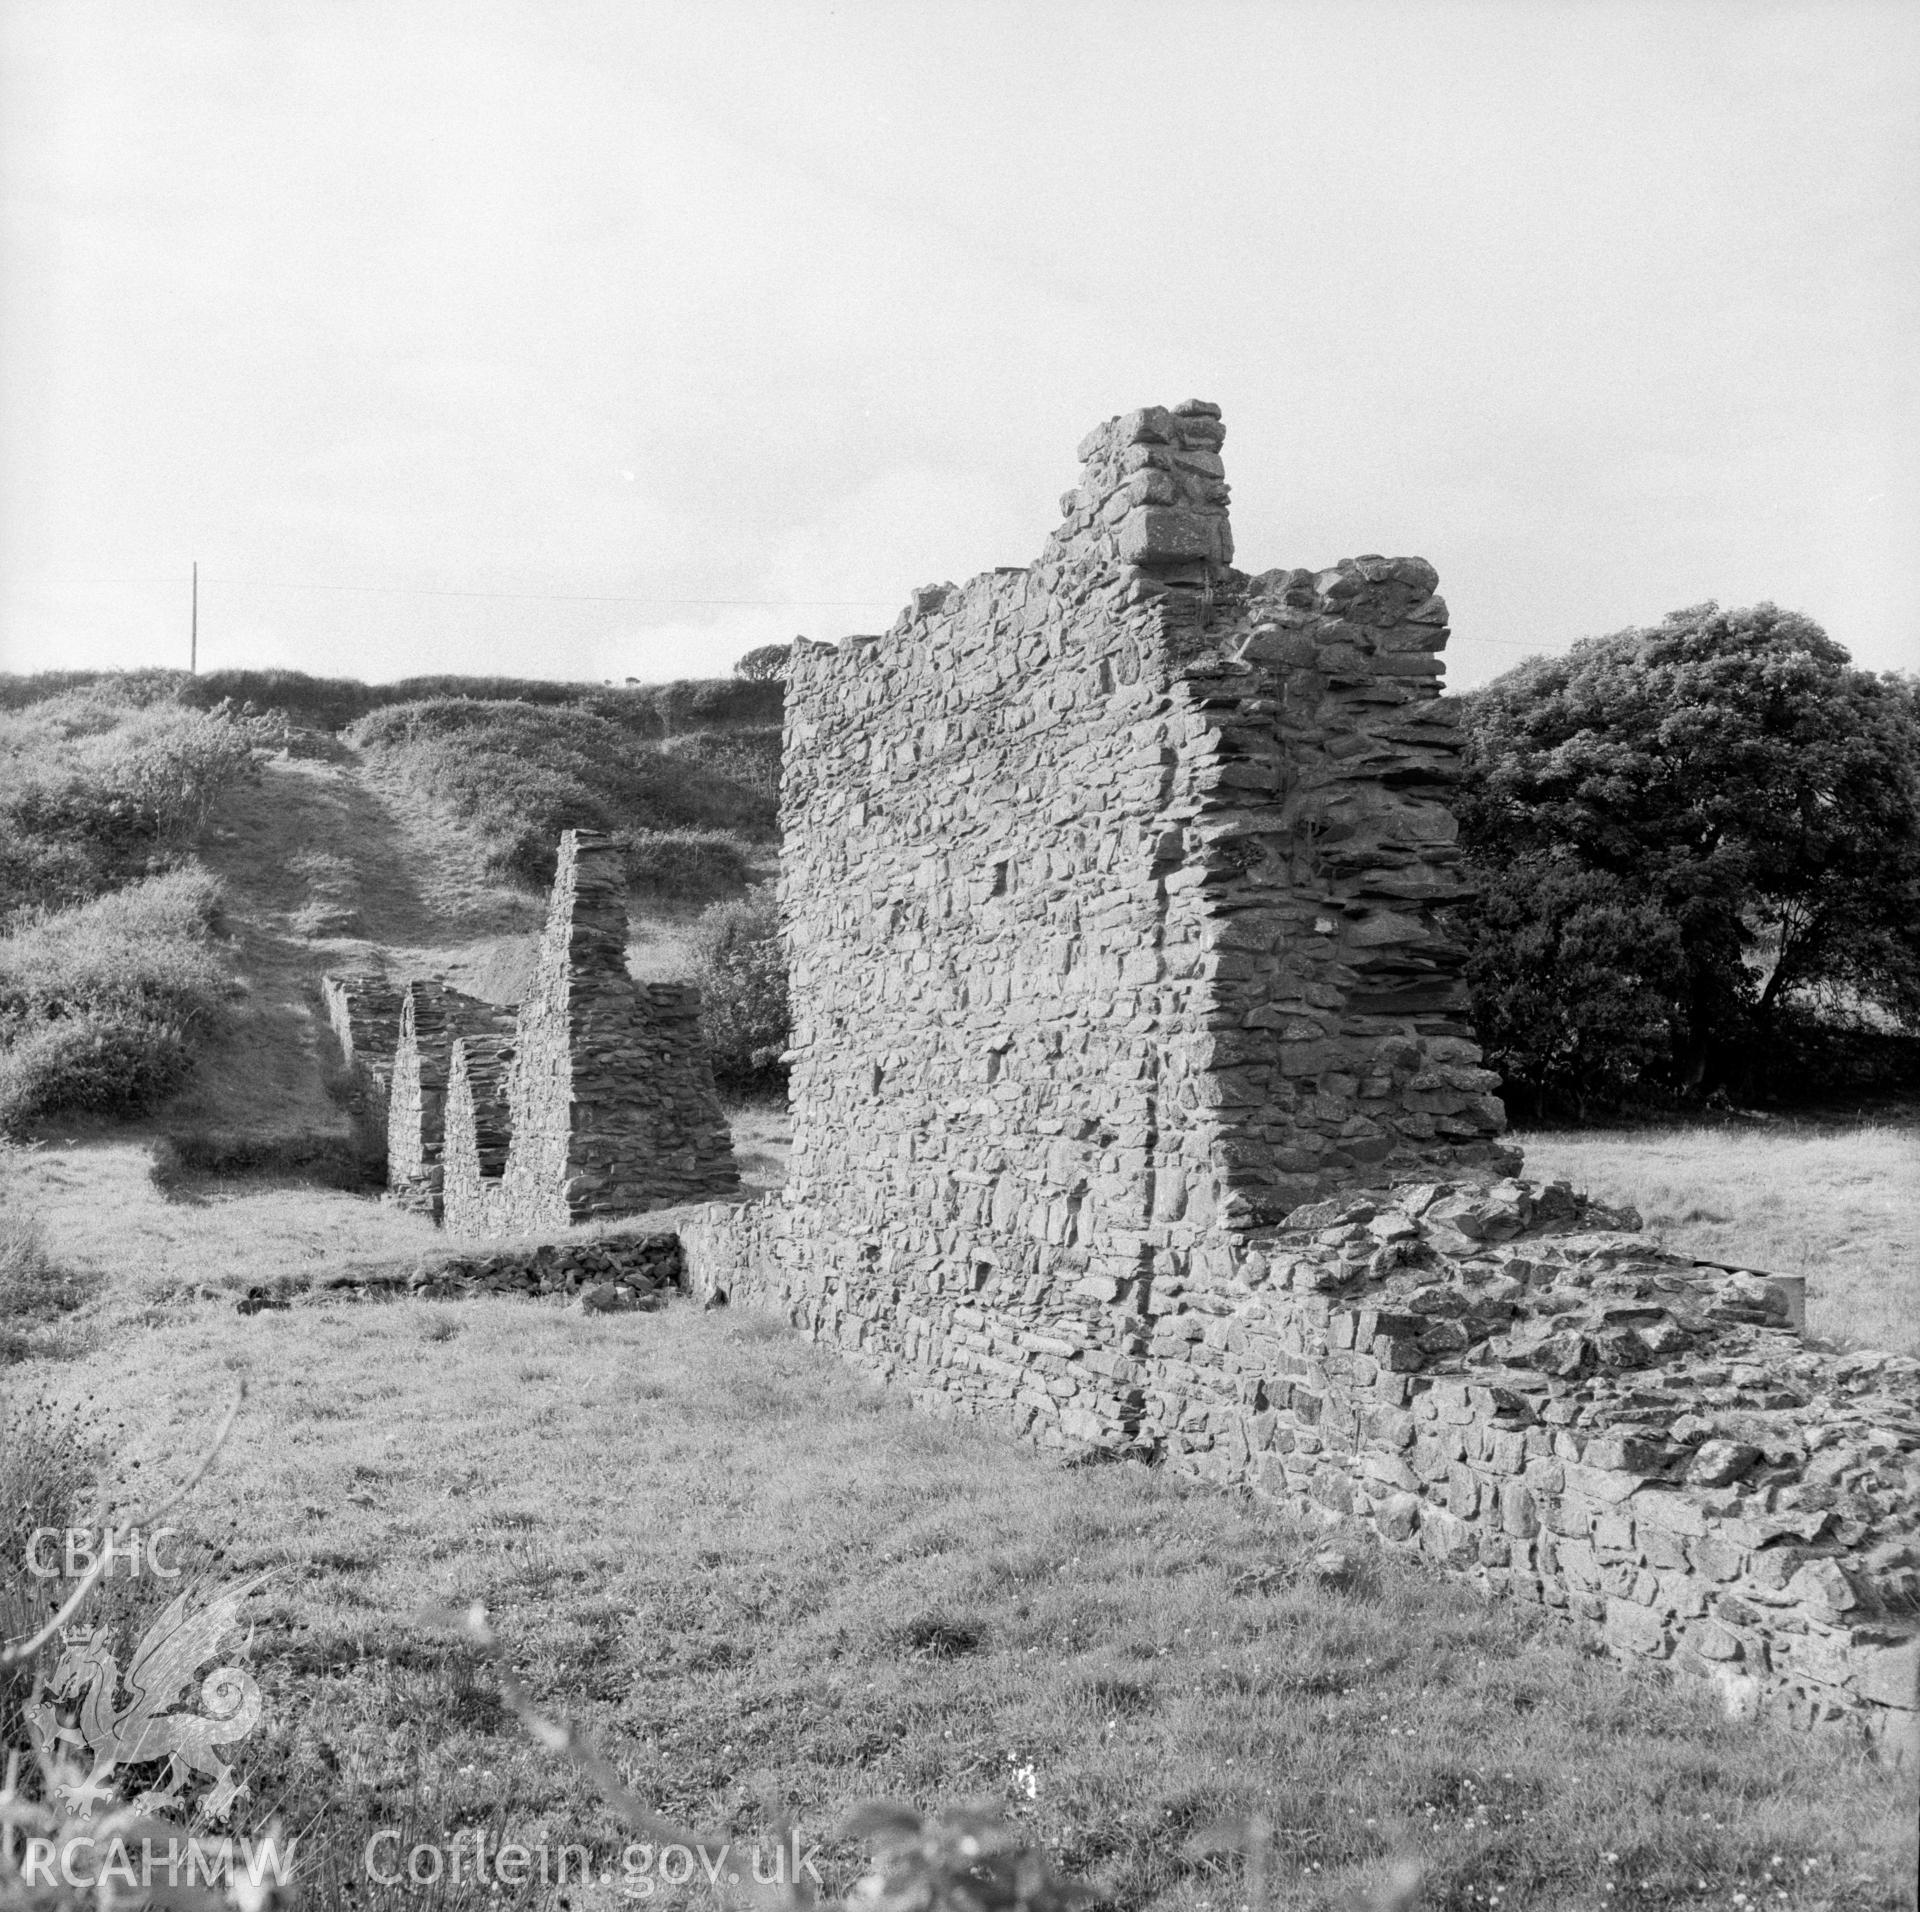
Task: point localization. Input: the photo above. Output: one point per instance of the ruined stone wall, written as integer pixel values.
(1493, 1376)
(433, 1016)
(610, 1103)
(1111, 891)
(363, 1005)
(1106, 928)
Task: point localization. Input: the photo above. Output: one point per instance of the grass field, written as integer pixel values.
(1840, 1205)
(770, 1592)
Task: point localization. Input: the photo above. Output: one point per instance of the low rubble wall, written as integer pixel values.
(1498, 1377)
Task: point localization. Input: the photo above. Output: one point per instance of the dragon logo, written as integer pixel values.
(138, 1730)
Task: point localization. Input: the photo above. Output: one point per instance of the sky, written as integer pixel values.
(593, 339)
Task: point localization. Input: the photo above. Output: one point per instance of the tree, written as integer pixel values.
(740, 964)
(767, 664)
(1683, 833)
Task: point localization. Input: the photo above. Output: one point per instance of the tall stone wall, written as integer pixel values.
(1111, 889)
(433, 1016)
(610, 1103)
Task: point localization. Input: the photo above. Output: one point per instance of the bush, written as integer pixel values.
(95, 781)
(146, 948)
(651, 711)
(99, 1005)
(105, 1061)
(123, 689)
(748, 756)
(766, 663)
(38, 875)
(517, 774)
(714, 703)
(740, 963)
(690, 866)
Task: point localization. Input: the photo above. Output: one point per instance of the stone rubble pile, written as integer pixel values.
(1112, 889)
(608, 1274)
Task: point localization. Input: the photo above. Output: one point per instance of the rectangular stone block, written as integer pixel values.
(1152, 534)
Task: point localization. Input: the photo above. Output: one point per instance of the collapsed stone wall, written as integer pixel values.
(363, 1006)
(608, 1088)
(646, 1265)
(1494, 1376)
(433, 1016)
(640, 1261)
(1111, 889)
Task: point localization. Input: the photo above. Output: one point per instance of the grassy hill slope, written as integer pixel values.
(410, 827)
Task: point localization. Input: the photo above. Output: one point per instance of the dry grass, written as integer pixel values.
(1838, 1205)
(770, 1591)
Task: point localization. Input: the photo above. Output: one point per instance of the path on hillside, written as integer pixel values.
(325, 866)
(326, 863)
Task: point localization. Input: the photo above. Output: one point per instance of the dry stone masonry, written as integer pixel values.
(433, 1016)
(605, 1273)
(610, 1274)
(1134, 1103)
(608, 1087)
(595, 1098)
(363, 1005)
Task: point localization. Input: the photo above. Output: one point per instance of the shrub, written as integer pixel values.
(118, 689)
(650, 711)
(715, 703)
(146, 948)
(99, 1005)
(106, 1061)
(748, 756)
(765, 663)
(174, 765)
(94, 781)
(517, 774)
(694, 866)
(38, 875)
(740, 963)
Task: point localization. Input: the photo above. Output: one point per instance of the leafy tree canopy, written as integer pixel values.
(766, 664)
(1682, 832)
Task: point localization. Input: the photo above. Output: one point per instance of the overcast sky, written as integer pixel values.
(607, 340)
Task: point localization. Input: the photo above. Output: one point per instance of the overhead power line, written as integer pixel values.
(586, 597)
(524, 597)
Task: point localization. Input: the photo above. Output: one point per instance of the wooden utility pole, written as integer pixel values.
(193, 631)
